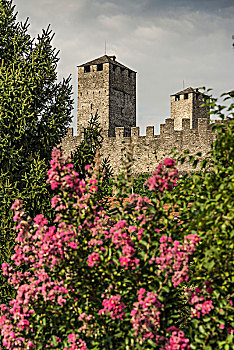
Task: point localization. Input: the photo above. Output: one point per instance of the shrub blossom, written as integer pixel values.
(93, 259)
(201, 306)
(164, 177)
(174, 258)
(120, 235)
(75, 343)
(41, 248)
(85, 245)
(177, 340)
(88, 323)
(114, 307)
(146, 315)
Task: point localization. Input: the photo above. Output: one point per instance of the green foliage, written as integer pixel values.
(86, 153)
(139, 185)
(90, 144)
(204, 202)
(35, 111)
(128, 276)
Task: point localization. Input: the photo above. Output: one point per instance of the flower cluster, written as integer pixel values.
(174, 257)
(69, 180)
(40, 245)
(201, 306)
(121, 237)
(164, 177)
(146, 315)
(114, 307)
(177, 340)
(86, 245)
(140, 203)
(93, 259)
(16, 317)
(75, 343)
(88, 323)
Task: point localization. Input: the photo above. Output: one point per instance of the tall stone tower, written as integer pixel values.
(187, 104)
(107, 87)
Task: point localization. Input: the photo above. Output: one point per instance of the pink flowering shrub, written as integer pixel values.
(113, 307)
(96, 280)
(174, 257)
(177, 340)
(146, 315)
(75, 343)
(201, 301)
(164, 177)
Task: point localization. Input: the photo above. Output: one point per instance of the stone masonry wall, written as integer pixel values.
(181, 109)
(93, 96)
(110, 92)
(198, 111)
(122, 99)
(149, 150)
(188, 106)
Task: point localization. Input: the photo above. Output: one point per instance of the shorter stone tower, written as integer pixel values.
(187, 104)
(108, 88)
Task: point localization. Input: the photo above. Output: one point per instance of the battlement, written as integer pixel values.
(148, 150)
(108, 88)
(168, 128)
(134, 133)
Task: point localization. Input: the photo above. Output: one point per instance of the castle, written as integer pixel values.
(108, 87)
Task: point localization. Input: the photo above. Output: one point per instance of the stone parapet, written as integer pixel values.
(149, 150)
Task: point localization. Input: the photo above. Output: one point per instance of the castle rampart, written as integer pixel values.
(149, 150)
(107, 87)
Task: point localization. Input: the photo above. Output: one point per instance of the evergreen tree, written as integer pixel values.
(86, 152)
(35, 108)
(35, 111)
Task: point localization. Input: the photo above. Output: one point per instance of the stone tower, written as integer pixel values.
(107, 87)
(187, 104)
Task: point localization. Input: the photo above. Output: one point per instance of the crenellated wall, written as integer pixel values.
(149, 150)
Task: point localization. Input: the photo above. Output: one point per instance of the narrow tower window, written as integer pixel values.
(185, 96)
(99, 67)
(86, 69)
(177, 98)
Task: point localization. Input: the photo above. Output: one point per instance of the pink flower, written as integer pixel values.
(174, 257)
(72, 337)
(30, 344)
(169, 162)
(93, 259)
(17, 205)
(177, 340)
(164, 177)
(200, 305)
(146, 315)
(75, 342)
(73, 245)
(114, 307)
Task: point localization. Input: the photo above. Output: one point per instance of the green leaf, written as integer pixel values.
(151, 342)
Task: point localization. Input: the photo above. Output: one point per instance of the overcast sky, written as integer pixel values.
(165, 41)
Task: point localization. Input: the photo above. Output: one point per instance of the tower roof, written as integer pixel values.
(186, 91)
(105, 59)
